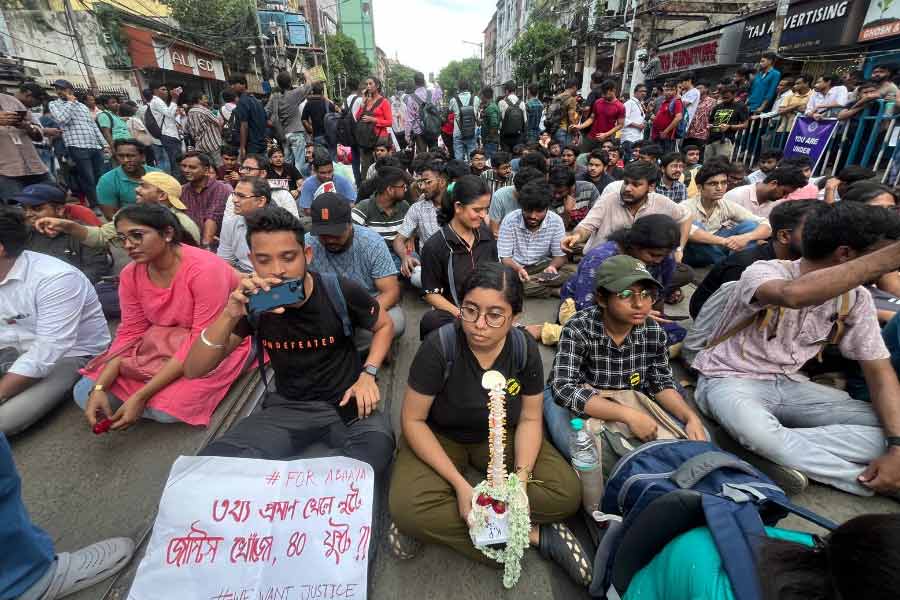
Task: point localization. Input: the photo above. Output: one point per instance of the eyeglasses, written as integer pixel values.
(470, 314)
(136, 238)
(246, 169)
(245, 196)
(400, 186)
(644, 295)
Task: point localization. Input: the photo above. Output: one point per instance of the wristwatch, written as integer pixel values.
(98, 388)
(892, 440)
(371, 370)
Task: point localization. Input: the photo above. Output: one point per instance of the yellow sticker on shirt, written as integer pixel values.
(635, 379)
(513, 387)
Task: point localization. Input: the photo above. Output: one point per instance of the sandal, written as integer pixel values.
(675, 296)
(557, 543)
(402, 546)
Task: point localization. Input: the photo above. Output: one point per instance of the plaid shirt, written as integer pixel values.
(588, 361)
(496, 183)
(78, 127)
(677, 193)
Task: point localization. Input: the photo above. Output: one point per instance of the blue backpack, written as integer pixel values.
(665, 488)
(681, 128)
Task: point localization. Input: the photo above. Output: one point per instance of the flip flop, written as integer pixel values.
(557, 543)
(89, 566)
(402, 546)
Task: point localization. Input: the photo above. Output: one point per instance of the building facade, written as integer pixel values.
(355, 19)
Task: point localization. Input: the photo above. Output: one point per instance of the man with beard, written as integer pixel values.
(384, 212)
(760, 198)
(670, 185)
(357, 253)
(204, 195)
(785, 244)
(619, 206)
(116, 188)
(420, 221)
(882, 75)
(720, 226)
(596, 173)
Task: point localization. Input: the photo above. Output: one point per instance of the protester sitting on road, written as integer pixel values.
(325, 392)
(569, 160)
(809, 190)
(860, 559)
(785, 243)
(768, 160)
(43, 200)
(778, 317)
(506, 199)
(250, 194)
(282, 175)
(52, 325)
(596, 173)
(229, 171)
(203, 195)
(720, 225)
(610, 352)
(671, 172)
(650, 153)
(169, 293)
(445, 428)
(478, 162)
(529, 239)
(451, 254)
(571, 199)
(31, 567)
(621, 204)
(384, 147)
(500, 174)
(257, 165)
(420, 222)
(760, 198)
(345, 249)
(831, 188)
(155, 188)
(117, 188)
(323, 172)
(384, 212)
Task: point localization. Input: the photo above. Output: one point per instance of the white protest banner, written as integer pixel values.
(247, 529)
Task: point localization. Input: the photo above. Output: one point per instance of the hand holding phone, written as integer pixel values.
(283, 294)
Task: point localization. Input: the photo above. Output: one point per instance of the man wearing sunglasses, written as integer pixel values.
(614, 348)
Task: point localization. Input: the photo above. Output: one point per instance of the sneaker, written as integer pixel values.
(89, 566)
(792, 481)
(402, 546)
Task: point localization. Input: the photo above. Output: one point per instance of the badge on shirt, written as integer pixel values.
(513, 387)
(634, 379)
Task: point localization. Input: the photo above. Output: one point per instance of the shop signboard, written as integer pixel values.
(808, 27)
(690, 57)
(882, 20)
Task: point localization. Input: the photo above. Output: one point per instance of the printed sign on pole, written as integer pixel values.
(810, 138)
(247, 529)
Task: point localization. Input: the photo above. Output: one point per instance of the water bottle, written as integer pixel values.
(586, 461)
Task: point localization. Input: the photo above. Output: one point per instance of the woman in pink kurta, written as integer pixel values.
(168, 284)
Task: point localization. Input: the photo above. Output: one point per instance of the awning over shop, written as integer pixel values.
(152, 50)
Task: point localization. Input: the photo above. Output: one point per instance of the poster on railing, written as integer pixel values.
(810, 138)
(247, 529)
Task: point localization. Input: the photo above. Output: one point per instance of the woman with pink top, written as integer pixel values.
(169, 293)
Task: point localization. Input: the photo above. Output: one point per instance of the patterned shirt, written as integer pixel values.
(369, 214)
(699, 126)
(78, 127)
(528, 247)
(209, 203)
(366, 260)
(421, 220)
(18, 157)
(583, 287)
(588, 360)
(413, 120)
(586, 194)
(205, 129)
(677, 193)
(793, 337)
(496, 183)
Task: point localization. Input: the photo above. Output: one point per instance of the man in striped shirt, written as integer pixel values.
(383, 213)
(501, 173)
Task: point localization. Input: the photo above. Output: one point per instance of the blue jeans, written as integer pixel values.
(562, 136)
(557, 420)
(295, 149)
(82, 391)
(89, 166)
(705, 255)
(463, 147)
(162, 158)
(490, 148)
(172, 147)
(27, 550)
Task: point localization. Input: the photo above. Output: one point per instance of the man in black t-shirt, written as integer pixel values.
(726, 119)
(318, 373)
(251, 118)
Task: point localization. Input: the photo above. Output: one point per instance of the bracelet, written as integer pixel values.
(209, 343)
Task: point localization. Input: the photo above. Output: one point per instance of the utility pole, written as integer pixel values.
(781, 10)
(70, 17)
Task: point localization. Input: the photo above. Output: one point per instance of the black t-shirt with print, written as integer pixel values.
(460, 408)
(287, 180)
(312, 358)
(731, 113)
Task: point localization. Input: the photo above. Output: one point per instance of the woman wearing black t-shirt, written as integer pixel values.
(445, 428)
(463, 242)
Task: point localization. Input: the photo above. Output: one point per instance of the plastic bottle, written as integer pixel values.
(586, 462)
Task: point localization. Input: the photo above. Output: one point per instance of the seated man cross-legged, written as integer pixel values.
(323, 391)
(779, 316)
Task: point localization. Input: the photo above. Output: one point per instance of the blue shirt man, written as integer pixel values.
(323, 172)
(762, 89)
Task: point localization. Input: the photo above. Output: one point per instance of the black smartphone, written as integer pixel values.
(676, 317)
(349, 413)
(283, 294)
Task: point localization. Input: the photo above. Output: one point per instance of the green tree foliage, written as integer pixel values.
(227, 26)
(398, 75)
(345, 61)
(534, 49)
(468, 69)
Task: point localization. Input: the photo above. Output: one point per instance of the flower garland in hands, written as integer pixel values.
(501, 494)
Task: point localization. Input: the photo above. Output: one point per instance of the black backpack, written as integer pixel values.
(366, 138)
(430, 115)
(231, 130)
(466, 117)
(346, 135)
(154, 128)
(513, 123)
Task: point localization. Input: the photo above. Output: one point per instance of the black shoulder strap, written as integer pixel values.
(336, 296)
(447, 335)
(519, 348)
(451, 278)
(253, 320)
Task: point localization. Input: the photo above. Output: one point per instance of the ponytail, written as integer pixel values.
(464, 190)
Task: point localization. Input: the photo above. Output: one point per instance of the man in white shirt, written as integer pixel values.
(40, 357)
(250, 194)
(163, 108)
(633, 128)
(690, 96)
(829, 97)
(354, 101)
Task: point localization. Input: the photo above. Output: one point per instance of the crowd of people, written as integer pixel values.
(476, 205)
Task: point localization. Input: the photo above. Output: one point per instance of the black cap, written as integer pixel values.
(63, 84)
(40, 193)
(330, 214)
